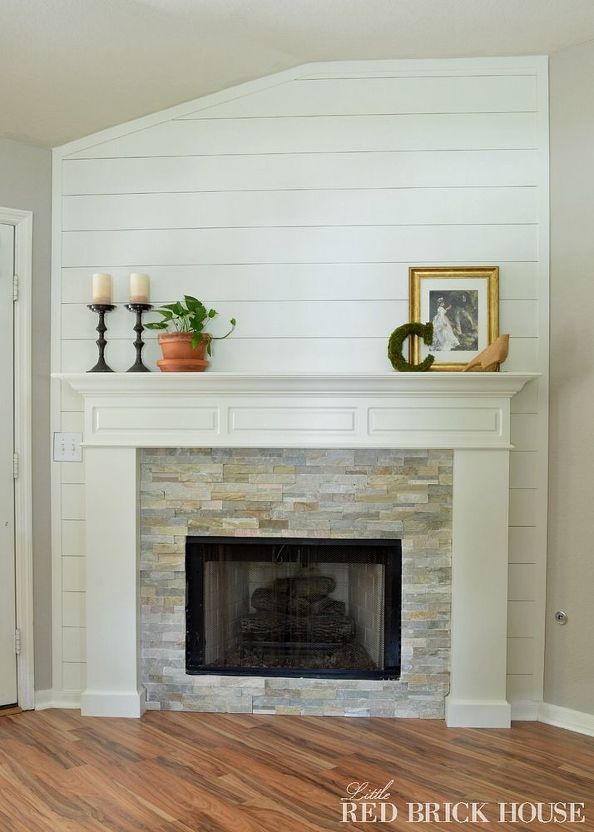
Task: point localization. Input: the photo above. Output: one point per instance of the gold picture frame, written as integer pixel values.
(462, 302)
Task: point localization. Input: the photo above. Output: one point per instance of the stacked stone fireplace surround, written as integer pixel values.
(366, 493)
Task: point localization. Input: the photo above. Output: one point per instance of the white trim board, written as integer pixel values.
(45, 699)
(23, 484)
(315, 70)
(578, 721)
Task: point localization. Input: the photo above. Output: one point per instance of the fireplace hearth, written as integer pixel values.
(301, 607)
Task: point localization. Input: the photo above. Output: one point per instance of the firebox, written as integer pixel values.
(293, 607)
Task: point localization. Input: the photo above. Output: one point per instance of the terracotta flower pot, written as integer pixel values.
(179, 356)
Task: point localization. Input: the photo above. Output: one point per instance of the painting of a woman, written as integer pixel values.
(443, 333)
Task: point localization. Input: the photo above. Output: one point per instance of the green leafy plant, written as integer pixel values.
(192, 316)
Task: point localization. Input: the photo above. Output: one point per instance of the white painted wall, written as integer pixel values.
(296, 204)
(569, 678)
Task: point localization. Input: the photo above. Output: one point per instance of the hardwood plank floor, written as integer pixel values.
(185, 772)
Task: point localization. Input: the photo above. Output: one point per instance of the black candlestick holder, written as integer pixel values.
(101, 308)
(139, 308)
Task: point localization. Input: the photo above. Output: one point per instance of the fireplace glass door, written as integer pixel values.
(293, 607)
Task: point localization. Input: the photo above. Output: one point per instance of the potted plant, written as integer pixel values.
(185, 344)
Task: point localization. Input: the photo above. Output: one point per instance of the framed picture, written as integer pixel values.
(463, 305)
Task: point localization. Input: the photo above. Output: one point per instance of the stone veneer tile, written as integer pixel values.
(366, 493)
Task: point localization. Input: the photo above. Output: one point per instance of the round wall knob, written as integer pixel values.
(561, 617)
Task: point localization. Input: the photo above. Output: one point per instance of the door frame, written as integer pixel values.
(23, 484)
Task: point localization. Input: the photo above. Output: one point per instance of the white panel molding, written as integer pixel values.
(290, 166)
(384, 95)
(298, 244)
(300, 171)
(404, 206)
(368, 69)
(259, 284)
(337, 134)
(408, 410)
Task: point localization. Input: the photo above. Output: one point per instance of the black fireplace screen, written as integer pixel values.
(288, 607)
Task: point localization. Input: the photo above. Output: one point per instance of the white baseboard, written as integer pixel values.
(105, 703)
(56, 699)
(577, 721)
(525, 711)
(479, 714)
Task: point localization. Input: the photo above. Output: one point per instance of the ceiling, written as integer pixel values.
(71, 67)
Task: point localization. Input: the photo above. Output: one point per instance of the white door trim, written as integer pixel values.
(23, 230)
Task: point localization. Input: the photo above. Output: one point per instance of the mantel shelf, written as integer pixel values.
(391, 410)
(432, 384)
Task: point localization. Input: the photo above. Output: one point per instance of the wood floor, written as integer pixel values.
(217, 773)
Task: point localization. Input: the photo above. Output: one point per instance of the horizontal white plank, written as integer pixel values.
(73, 573)
(525, 434)
(74, 608)
(524, 429)
(73, 537)
(521, 655)
(524, 545)
(523, 470)
(413, 169)
(290, 355)
(73, 502)
(519, 318)
(302, 245)
(521, 619)
(73, 675)
(522, 582)
(246, 209)
(523, 509)
(361, 96)
(523, 687)
(72, 472)
(283, 319)
(323, 134)
(291, 281)
(74, 644)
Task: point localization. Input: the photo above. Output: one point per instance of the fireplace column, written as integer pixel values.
(112, 540)
(478, 675)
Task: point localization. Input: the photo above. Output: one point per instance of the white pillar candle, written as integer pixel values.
(139, 288)
(102, 288)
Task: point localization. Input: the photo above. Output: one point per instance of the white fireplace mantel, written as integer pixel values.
(469, 413)
(407, 410)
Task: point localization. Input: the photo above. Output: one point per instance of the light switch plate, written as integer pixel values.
(67, 447)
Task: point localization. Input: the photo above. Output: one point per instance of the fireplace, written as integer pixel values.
(302, 607)
(361, 456)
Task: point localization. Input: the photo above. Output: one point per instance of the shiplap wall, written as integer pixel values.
(296, 204)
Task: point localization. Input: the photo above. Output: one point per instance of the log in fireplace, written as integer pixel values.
(293, 607)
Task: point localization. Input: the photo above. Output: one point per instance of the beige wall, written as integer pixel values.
(569, 666)
(25, 183)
